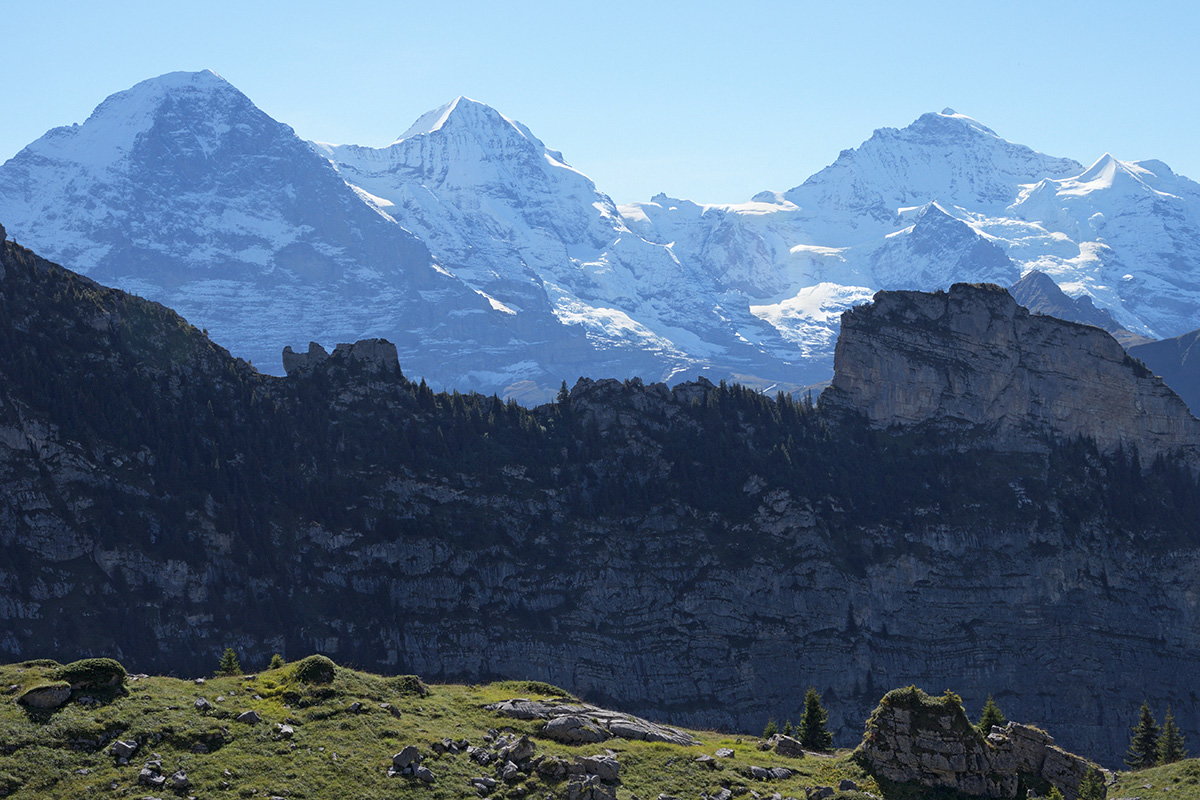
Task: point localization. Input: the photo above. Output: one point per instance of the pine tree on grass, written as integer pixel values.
(771, 729)
(1171, 747)
(1092, 786)
(229, 664)
(788, 730)
(811, 731)
(992, 715)
(1143, 742)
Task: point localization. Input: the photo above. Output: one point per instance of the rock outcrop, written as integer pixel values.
(580, 723)
(373, 355)
(972, 359)
(913, 737)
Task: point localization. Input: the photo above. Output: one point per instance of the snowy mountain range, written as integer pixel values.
(496, 266)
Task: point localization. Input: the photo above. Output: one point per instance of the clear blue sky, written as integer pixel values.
(703, 100)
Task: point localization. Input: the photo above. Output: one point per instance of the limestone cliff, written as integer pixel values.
(972, 359)
(698, 554)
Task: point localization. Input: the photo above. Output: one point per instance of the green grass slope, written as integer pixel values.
(336, 749)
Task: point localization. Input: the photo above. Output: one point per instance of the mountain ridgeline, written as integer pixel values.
(699, 554)
(495, 265)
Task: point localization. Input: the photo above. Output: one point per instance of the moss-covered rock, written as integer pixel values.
(46, 695)
(315, 669)
(92, 673)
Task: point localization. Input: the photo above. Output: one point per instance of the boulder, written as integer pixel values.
(409, 755)
(787, 746)
(46, 695)
(249, 717)
(123, 749)
(606, 768)
(572, 729)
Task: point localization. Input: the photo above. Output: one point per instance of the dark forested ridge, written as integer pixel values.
(702, 553)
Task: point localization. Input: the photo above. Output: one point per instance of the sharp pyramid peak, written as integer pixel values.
(460, 108)
(1106, 168)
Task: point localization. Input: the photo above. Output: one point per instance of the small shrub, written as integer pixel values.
(276, 662)
(315, 669)
(92, 673)
(530, 687)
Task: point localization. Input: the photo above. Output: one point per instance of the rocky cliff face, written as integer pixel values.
(973, 358)
(698, 554)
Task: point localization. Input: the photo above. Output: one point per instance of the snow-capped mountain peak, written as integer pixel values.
(947, 156)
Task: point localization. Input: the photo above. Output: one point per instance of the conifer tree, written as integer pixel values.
(276, 662)
(788, 730)
(771, 729)
(991, 715)
(1171, 747)
(1092, 786)
(229, 664)
(1143, 743)
(812, 732)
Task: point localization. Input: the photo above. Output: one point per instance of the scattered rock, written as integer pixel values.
(724, 752)
(285, 731)
(520, 750)
(202, 705)
(760, 773)
(847, 785)
(123, 749)
(606, 768)
(249, 717)
(423, 774)
(409, 755)
(708, 761)
(786, 746)
(151, 775)
(180, 782)
(780, 773)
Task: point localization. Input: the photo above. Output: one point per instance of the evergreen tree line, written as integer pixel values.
(1151, 745)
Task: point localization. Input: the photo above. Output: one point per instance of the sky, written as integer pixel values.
(707, 101)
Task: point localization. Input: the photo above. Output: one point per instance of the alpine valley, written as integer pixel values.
(495, 266)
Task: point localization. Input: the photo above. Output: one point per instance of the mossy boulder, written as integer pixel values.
(408, 685)
(92, 673)
(315, 669)
(46, 695)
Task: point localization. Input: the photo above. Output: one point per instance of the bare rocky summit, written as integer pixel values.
(972, 359)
